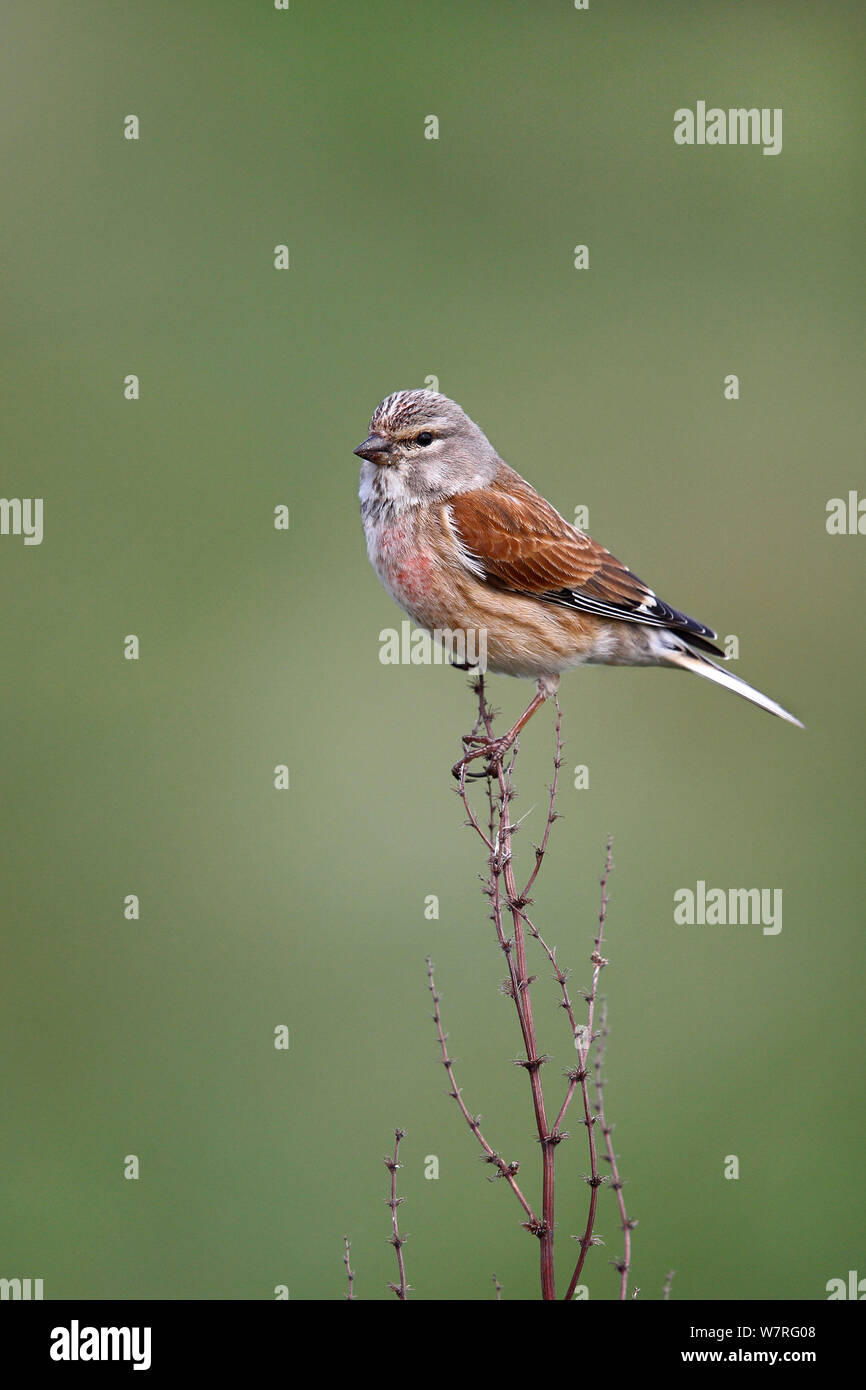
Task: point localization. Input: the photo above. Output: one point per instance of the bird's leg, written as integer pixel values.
(494, 750)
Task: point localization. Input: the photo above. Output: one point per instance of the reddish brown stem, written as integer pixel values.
(502, 867)
(584, 1043)
(505, 899)
(505, 1170)
(627, 1225)
(398, 1241)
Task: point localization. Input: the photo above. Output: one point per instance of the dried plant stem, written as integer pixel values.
(594, 1181)
(398, 1241)
(504, 1170)
(509, 903)
(533, 1063)
(541, 850)
(350, 1273)
(505, 899)
(628, 1225)
(584, 1044)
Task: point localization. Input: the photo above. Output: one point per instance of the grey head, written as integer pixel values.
(422, 447)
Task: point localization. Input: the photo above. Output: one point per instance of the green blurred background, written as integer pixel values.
(409, 258)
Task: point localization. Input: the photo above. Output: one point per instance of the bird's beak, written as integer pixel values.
(374, 448)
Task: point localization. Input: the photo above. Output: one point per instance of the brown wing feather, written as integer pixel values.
(521, 542)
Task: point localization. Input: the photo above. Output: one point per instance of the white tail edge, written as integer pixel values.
(702, 666)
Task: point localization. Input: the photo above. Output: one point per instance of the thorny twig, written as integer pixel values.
(583, 1042)
(398, 1241)
(628, 1225)
(350, 1273)
(506, 902)
(503, 1169)
(502, 890)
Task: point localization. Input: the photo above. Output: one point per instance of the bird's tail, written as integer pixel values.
(702, 666)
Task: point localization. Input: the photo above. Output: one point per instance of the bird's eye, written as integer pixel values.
(424, 438)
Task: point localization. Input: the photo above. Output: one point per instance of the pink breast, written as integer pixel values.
(406, 567)
(411, 574)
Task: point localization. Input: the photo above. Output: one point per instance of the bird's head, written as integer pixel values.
(424, 446)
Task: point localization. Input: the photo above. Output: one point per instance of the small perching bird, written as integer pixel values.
(463, 543)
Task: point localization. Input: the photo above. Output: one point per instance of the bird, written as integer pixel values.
(464, 543)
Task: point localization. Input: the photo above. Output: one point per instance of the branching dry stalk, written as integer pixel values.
(509, 906)
(584, 1039)
(503, 1169)
(350, 1273)
(402, 1288)
(624, 1264)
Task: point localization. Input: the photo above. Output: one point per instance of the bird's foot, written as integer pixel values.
(492, 750)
